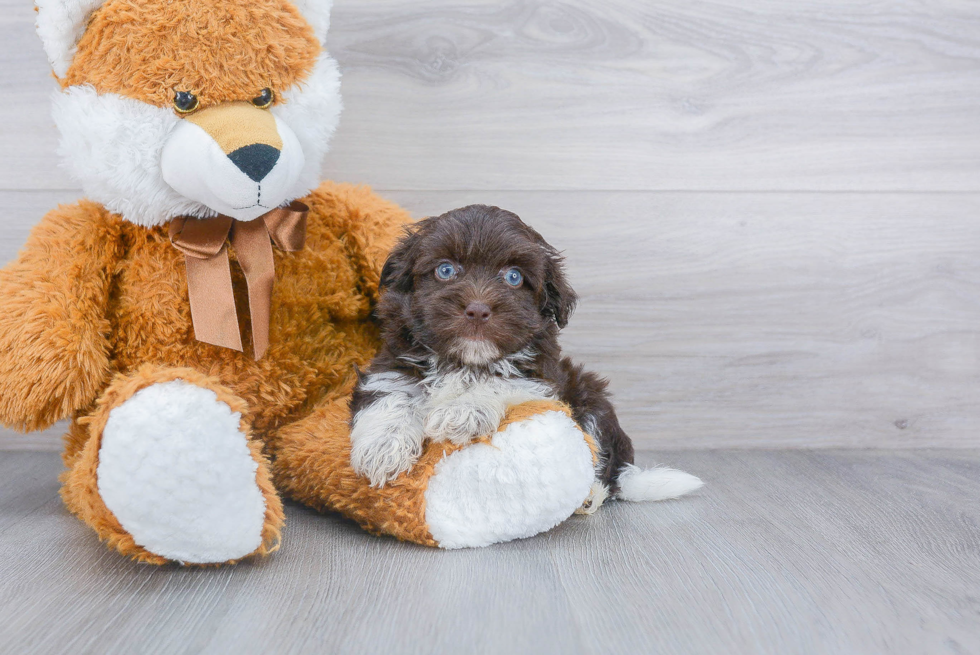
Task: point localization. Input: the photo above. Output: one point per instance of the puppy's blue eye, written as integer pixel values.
(513, 277)
(445, 271)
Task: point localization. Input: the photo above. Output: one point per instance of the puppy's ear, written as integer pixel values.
(396, 274)
(559, 297)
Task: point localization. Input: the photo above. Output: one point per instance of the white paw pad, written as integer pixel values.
(533, 475)
(177, 472)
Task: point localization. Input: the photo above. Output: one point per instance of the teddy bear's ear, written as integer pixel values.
(317, 13)
(60, 24)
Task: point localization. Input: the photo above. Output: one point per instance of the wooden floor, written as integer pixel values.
(781, 552)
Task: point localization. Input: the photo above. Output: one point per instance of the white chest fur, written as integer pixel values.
(464, 404)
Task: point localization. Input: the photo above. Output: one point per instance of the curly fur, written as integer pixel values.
(471, 346)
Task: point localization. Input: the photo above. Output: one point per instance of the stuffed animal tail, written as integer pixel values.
(638, 485)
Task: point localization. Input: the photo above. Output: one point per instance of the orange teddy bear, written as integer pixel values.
(200, 318)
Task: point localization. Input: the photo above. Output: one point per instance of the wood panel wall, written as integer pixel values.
(771, 208)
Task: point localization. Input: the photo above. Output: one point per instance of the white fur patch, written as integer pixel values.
(178, 474)
(386, 436)
(114, 147)
(60, 24)
(597, 496)
(390, 382)
(317, 14)
(195, 166)
(312, 110)
(535, 475)
(476, 352)
(638, 485)
(467, 403)
(591, 427)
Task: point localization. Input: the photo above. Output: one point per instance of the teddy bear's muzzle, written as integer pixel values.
(237, 159)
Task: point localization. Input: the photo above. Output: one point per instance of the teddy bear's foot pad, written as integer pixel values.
(176, 471)
(532, 476)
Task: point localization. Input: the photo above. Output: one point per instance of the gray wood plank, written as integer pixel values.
(27, 131)
(616, 94)
(781, 552)
(798, 523)
(804, 320)
(748, 320)
(49, 440)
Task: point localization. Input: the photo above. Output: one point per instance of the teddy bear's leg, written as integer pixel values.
(533, 473)
(528, 477)
(169, 472)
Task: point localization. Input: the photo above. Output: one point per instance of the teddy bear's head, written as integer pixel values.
(192, 107)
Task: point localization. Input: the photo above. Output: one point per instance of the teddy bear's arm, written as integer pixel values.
(53, 324)
(370, 226)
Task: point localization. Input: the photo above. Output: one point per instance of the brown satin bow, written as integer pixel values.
(205, 248)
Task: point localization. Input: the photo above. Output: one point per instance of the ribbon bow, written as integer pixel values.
(204, 243)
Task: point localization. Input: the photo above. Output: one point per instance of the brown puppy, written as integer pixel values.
(473, 301)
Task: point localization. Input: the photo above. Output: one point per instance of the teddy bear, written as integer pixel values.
(200, 317)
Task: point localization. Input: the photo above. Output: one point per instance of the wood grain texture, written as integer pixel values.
(722, 319)
(754, 320)
(27, 131)
(733, 320)
(782, 552)
(615, 94)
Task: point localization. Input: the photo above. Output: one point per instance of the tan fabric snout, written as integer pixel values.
(235, 125)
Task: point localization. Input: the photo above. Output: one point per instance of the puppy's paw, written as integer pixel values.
(385, 440)
(383, 460)
(462, 422)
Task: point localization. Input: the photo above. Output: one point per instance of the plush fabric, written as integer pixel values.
(320, 443)
(59, 24)
(81, 483)
(201, 509)
(529, 477)
(53, 324)
(113, 141)
(145, 49)
(134, 291)
(178, 450)
(213, 178)
(93, 296)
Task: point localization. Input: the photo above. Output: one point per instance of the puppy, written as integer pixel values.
(471, 305)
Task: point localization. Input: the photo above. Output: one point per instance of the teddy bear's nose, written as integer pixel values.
(256, 160)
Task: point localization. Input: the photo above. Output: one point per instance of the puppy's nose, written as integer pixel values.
(478, 312)
(256, 160)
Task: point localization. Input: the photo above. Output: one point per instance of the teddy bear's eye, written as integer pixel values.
(265, 99)
(185, 102)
